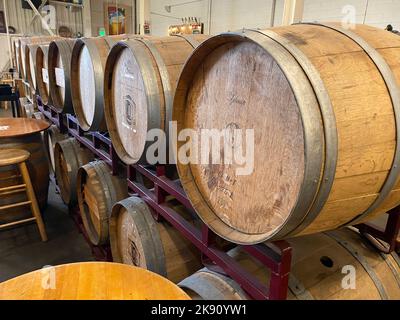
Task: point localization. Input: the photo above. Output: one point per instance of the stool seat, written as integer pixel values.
(13, 156)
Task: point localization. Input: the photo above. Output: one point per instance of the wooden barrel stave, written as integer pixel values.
(89, 57)
(51, 137)
(10, 175)
(330, 168)
(137, 239)
(154, 65)
(59, 63)
(42, 73)
(69, 157)
(97, 192)
(316, 271)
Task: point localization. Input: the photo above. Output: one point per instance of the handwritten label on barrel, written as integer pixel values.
(45, 75)
(60, 79)
(4, 128)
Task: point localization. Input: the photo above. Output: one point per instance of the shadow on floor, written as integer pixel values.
(22, 251)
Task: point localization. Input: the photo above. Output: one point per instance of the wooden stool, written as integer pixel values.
(18, 157)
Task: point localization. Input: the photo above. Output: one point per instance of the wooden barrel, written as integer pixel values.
(319, 267)
(325, 153)
(51, 137)
(23, 134)
(24, 42)
(89, 58)
(30, 62)
(69, 157)
(98, 190)
(140, 80)
(59, 63)
(91, 281)
(137, 239)
(42, 73)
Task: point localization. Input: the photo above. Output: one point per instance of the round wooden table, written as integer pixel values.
(91, 281)
(21, 127)
(21, 133)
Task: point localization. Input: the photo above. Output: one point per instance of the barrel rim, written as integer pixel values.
(62, 48)
(98, 121)
(41, 86)
(155, 261)
(394, 93)
(153, 100)
(315, 154)
(91, 170)
(330, 128)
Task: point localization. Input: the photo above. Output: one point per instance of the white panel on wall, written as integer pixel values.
(232, 15)
(377, 13)
(20, 18)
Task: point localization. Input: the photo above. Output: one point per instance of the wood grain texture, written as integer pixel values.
(317, 267)
(88, 61)
(136, 99)
(19, 127)
(42, 73)
(10, 175)
(69, 157)
(91, 281)
(236, 80)
(97, 192)
(137, 239)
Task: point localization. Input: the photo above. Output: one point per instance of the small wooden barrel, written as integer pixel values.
(320, 264)
(42, 73)
(51, 137)
(31, 51)
(137, 239)
(23, 134)
(140, 80)
(326, 154)
(91, 281)
(59, 63)
(97, 192)
(69, 157)
(89, 58)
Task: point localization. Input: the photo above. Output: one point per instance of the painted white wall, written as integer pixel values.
(235, 14)
(226, 15)
(377, 13)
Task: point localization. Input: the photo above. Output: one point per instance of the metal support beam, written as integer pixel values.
(37, 13)
(293, 12)
(87, 18)
(8, 33)
(144, 14)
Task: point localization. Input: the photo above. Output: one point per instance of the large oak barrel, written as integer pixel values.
(24, 134)
(326, 154)
(59, 64)
(98, 190)
(140, 80)
(69, 157)
(42, 74)
(321, 265)
(137, 239)
(89, 58)
(51, 137)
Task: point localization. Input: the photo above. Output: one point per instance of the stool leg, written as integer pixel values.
(31, 196)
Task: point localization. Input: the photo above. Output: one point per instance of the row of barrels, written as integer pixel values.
(333, 265)
(323, 103)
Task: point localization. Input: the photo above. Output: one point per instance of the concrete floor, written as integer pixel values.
(22, 251)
